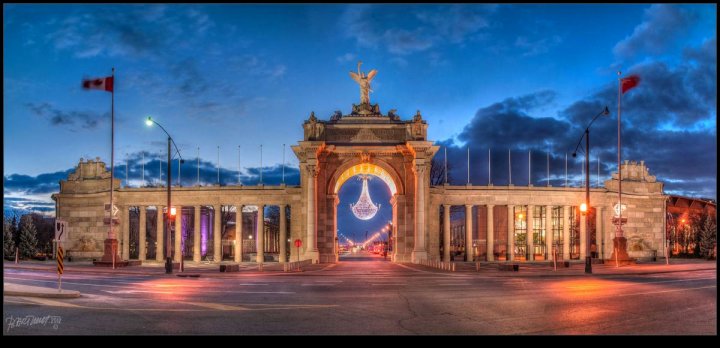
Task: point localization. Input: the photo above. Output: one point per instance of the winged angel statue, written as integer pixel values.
(364, 82)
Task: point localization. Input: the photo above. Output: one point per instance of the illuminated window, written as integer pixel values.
(557, 229)
(520, 213)
(539, 230)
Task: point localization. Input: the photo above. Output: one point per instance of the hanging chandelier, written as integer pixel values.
(364, 209)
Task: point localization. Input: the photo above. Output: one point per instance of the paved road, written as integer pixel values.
(366, 295)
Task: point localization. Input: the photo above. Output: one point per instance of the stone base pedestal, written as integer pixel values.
(111, 247)
(620, 251)
(418, 256)
(311, 255)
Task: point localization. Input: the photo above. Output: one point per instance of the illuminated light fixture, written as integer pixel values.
(583, 207)
(364, 209)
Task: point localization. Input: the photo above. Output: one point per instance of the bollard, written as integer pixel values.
(17, 255)
(168, 265)
(588, 264)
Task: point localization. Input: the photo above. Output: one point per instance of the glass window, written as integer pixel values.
(539, 230)
(520, 212)
(557, 229)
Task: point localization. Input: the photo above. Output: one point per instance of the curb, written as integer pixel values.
(36, 291)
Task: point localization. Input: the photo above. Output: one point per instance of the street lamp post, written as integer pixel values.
(585, 207)
(170, 210)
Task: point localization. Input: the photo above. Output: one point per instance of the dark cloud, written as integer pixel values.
(73, 120)
(663, 24)
(156, 163)
(43, 183)
(668, 121)
(510, 124)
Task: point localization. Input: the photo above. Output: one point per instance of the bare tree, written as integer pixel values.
(437, 172)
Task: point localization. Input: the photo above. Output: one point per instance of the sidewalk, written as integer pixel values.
(158, 268)
(577, 268)
(12, 289)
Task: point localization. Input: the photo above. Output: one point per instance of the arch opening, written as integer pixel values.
(367, 169)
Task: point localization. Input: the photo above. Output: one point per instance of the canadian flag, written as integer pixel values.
(103, 83)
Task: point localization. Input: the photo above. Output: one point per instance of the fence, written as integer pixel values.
(296, 266)
(442, 265)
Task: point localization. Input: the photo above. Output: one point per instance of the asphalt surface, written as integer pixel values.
(368, 296)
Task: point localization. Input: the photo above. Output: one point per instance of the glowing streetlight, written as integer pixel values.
(171, 210)
(586, 135)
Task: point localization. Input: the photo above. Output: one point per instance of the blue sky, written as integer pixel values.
(520, 77)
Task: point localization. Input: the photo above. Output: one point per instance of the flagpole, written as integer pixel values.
(618, 229)
(239, 180)
(548, 168)
(468, 165)
(261, 169)
(489, 166)
(509, 168)
(529, 164)
(127, 163)
(598, 166)
(218, 164)
(143, 168)
(111, 233)
(198, 166)
(566, 177)
(283, 166)
(446, 165)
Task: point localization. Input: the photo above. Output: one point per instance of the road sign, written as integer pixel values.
(298, 243)
(60, 228)
(115, 209)
(60, 266)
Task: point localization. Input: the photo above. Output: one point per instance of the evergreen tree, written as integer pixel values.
(28, 238)
(707, 235)
(8, 239)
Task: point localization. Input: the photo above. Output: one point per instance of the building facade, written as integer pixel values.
(498, 219)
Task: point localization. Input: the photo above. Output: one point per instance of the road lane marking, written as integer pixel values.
(217, 306)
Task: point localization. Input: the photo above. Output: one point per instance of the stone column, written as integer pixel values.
(196, 233)
(583, 236)
(238, 232)
(599, 232)
(530, 233)
(469, 250)
(419, 253)
(125, 232)
(260, 234)
(283, 234)
(217, 234)
(311, 248)
(566, 232)
(143, 233)
(178, 253)
(548, 233)
(446, 232)
(160, 235)
(511, 233)
(490, 233)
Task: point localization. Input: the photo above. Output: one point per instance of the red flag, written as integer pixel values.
(629, 82)
(103, 83)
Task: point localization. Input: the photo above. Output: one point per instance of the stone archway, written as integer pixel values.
(365, 142)
(378, 168)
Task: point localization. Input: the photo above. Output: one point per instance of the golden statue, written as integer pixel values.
(364, 82)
